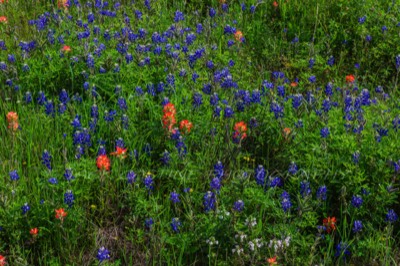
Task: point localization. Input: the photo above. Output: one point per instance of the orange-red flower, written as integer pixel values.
(240, 127)
(34, 232)
(272, 261)
(293, 84)
(169, 120)
(120, 152)
(169, 108)
(239, 36)
(12, 119)
(103, 162)
(61, 214)
(2, 260)
(185, 126)
(330, 224)
(286, 132)
(3, 1)
(66, 49)
(350, 79)
(3, 19)
(63, 4)
(275, 4)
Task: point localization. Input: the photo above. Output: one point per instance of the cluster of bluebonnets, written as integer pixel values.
(115, 76)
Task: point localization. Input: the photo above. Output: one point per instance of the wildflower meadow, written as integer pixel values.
(215, 132)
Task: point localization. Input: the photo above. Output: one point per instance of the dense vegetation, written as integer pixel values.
(199, 132)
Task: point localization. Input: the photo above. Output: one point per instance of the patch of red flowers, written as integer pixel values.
(120, 152)
(169, 119)
(61, 214)
(350, 79)
(272, 261)
(103, 162)
(239, 36)
(185, 126)
(240, 129)
(330, 224)
(34, 232)
(12, 119)
(2, 260)
(66, 49)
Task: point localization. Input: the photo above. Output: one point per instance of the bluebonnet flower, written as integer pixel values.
(122, 104)
(275, 182)
(178, 16)
(148, 182)
(49, 108)
(230, 43)
(293, 168)
(174, 197)
(14, 175)
(68, 174)
(90, 61)
(46, 159)
(217, 111)
(391, 216)
(181, 146)
(312, 79)
(11, 58)
(25, 208)
(131, 177)
(215, 184)
(342, 249)
(397, 59)
(148, 223)
(362, 19)
(53, 180)
(277, 110)
(285, 201)
(297, 100)
(109, 116)
(281, 90)
(356, 157)
(101, 151)
(195, 76)
(252, 9)
(321, 193)
(228, 112)
(299, 124)
(69, 198)
(212, 12)
(259, 175)
(210, 63)
(305, 189)
(357, 226)
(368, 38)
(103, 254)
(218, 170)
(3, 66)
(324, 132)
(175, 224)
(356, 201)
(331, 61)
(311, 63)
(384, 28)
(253, 122)
(209, 202)
(238, 206)
(76, 123)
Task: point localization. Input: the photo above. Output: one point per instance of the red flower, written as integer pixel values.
(272, 261)
(286, 132)
(61, 214)
(66, 48)
(330, 224)
(169, 120)
(293, 84)
(239, 36)
(2, 260)
(3, 19)
(63, 3)
(350, 79)
(12, 119)
(34, 232)
(169, 108)
(240, 127)
(120, 152)
(275, 4)
(103, 162)
(185, 126)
